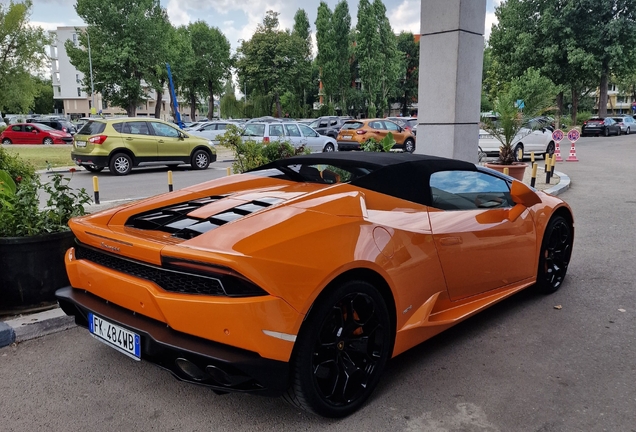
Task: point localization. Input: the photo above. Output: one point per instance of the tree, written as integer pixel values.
(302, 31)
(270, 62)
(21, 51)
(326, 44)
(213, 61)
(123, 37)
(578, 45)
(343, 50)
(391, 59)
(367, 49)
(184, 71)
(43, 102)
(410, 70)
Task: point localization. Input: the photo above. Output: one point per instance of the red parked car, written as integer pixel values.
(34, 133)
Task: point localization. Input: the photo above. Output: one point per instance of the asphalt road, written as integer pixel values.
(522, 365)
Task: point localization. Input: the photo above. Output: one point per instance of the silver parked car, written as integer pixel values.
(212, 130)
(296, 133)
(626, 123)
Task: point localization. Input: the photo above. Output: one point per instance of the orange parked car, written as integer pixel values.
(355, 132)
(304, 277)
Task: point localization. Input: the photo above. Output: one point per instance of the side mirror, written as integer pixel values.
(522, 194)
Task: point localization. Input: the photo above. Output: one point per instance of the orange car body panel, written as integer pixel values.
(432, 261)
(371, 132)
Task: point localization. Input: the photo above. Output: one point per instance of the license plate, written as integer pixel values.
(485, 136)
(347, 136)
(80, 143)
(115, 336)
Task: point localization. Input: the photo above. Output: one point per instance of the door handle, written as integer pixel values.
(450, 241)
(160, 141)
(129, 139)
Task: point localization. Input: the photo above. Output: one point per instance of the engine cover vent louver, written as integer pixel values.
(175, 220)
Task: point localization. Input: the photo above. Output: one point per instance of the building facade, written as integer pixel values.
(69, 84)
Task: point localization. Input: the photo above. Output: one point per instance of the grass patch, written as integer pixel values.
(38, 155)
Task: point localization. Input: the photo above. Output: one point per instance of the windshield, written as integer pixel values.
(44, 127)
(256, 130)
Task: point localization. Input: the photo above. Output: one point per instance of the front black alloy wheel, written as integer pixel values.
(341, 351)
(556, 250)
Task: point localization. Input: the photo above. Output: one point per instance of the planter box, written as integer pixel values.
(31, 269)
(517, 170)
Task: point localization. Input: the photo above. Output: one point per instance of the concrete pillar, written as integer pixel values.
(451, 63)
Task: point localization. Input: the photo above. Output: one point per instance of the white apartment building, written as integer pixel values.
(68, 84)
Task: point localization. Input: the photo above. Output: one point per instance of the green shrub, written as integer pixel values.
(251, 154)
(384, 145)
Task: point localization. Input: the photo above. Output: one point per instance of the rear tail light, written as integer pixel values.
(361, 132)
(99, 139)
(266, 139)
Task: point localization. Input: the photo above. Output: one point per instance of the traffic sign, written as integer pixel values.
(574, 135)
(558, 135)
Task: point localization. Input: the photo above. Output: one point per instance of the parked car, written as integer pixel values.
(266, 119)
(34, 133)
(304, 277)
(405, 122)
(55, 123)
(626, 123)
(355, 132)
(123, 143)
(600, 126)
(329, 125)
(533, 137)
(296, 133)
(212, 130)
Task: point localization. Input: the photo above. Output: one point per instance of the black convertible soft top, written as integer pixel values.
(402, 175)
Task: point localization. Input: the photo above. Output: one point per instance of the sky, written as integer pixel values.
(238, 19)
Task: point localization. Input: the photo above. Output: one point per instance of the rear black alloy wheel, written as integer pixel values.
(409, 146)
(120, 164)
(94, 168)
(556, 250)
(200, 160)
(341, 351)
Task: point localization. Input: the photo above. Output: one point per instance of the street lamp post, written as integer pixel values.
(90, 65)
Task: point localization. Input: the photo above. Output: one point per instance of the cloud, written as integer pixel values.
(47, 25)
(177, 15)
(406, 17)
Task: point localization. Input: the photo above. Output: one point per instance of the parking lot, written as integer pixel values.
(562, 362)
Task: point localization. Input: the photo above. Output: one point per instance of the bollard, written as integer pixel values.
(532, 157)
(506, 171)
(520, 155)
(533, 180)
(229, 172)
(553, 164)
(548, 160)
(170, 181)
(96, 189)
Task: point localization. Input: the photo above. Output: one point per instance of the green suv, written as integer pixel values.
(123, 143)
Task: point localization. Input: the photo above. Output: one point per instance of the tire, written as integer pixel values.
(606, 132)
(47, 141)
(409, 146)
(627, 131)
(200, 160)
(549, 149)
(6, 141)
(556, 250)
(618, 133)
(348, 328)
(517, 148)
(120, 164)
(329, 148)
(93, 168)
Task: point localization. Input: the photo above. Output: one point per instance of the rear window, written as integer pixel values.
(618, 119)
(92, 128)
(256, 130)
(352, 125)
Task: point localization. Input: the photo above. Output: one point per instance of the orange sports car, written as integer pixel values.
(304, 277)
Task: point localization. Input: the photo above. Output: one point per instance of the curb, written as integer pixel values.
(562, 186)
(33, 326)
